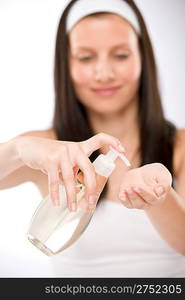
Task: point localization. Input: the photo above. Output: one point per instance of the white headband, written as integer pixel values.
(82, 8)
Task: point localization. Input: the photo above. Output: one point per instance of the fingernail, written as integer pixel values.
(161, 197)
(73, 206)
(56, 201)
(129, 191)
(159, 191)
(122, 198)
(55, 198)
(121, 148)
(92, 199)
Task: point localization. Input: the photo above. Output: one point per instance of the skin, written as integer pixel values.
(103, 54)
(31, 155)
(98, 64)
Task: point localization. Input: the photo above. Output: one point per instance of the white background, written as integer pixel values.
(27, 36)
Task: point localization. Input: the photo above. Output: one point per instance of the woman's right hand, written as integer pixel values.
(59, 159)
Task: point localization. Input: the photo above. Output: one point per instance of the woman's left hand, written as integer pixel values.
(146, 186)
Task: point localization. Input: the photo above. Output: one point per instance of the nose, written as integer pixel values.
(104, 72)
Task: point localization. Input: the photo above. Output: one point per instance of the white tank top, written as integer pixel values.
(119, 242)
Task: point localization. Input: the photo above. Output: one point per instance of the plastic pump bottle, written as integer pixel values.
(54, 228)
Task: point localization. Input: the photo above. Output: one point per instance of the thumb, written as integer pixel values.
(164, 182)
(99, 140)
(164, 177)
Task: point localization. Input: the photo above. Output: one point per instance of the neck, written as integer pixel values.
(123, 125)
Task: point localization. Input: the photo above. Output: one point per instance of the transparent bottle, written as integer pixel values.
(54, 228)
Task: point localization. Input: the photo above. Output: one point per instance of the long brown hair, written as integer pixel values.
(70, 120)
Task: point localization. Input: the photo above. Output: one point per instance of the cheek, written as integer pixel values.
(131, 71)
(80, 75)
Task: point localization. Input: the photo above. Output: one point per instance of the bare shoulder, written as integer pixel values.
(179, 150)
(180, 140)
(49, 133)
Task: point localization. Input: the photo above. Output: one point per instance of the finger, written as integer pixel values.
(100, 140)
(148, 197)
(75, 170)
(160, 192)
(53, 181)
(89, 177)
(136, 200)
(164, 177)
(68, 180)
(125, 200)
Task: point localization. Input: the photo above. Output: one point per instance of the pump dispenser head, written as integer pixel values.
(104, 163)
(113, 154)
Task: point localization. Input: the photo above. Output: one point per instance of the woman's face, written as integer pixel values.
(105, 63)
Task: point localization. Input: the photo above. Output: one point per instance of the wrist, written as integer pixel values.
(163, 201)
(15, 150)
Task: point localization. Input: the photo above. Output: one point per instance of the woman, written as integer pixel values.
(105, 81)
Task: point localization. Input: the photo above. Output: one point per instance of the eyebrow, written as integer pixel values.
(122, 45)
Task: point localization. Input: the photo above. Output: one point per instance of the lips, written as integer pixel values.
(106, 91)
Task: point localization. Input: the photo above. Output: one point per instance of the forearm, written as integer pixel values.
(168, 218)
(9, 158)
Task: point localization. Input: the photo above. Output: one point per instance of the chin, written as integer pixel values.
(105, 110)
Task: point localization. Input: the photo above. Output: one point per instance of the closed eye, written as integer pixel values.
(121, 56)
(85, 58)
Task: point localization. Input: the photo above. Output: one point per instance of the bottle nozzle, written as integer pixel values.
(113, 154)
